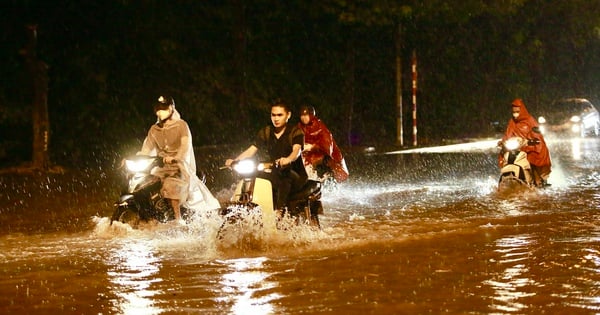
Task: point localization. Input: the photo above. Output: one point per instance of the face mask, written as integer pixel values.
(163, 114)
(515, 115)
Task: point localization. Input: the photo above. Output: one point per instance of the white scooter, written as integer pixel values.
(516, 171)
(253, 197)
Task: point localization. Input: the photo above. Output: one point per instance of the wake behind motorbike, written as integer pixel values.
(253, 196)
(140, 198)
(516, 171)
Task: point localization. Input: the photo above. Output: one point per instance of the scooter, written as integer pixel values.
(141, 199)
(516, 172)
(253, 197)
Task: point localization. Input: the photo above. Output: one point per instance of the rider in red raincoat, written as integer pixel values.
(525, 126)
(320, 150)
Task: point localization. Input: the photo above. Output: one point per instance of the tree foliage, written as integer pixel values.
(224, 60)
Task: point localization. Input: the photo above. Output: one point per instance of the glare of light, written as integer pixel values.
(138, 165)
(512, 144)
(134, 271)
(575, 119)
(575, 128)
(245, 167)
(541, 120)
(241, 284)
(484, 145)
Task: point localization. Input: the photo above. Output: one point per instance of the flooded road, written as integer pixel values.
(409, 233)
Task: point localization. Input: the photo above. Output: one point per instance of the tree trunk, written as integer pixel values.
(38, 71)
(240, 57)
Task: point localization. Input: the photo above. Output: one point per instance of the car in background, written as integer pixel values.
(571, 117)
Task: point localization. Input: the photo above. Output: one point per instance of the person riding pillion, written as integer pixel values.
(321, 154)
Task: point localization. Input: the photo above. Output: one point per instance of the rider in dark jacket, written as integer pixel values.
(281, 143)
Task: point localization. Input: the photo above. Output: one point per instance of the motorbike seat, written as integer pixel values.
(311, 187)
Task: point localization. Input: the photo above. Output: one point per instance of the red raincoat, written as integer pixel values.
(317, 134)
(522, 126)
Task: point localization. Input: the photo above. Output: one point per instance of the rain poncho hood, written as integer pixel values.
(317, 134)
(523, 126)
(199, 198)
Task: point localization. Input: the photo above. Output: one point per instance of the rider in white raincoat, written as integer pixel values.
(171, 139)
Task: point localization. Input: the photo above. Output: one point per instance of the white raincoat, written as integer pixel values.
(174, 139)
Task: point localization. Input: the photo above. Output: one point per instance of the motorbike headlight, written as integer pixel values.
(245, 167)
(511, 144)
(541, 120)
(138, 165)
(575, 119)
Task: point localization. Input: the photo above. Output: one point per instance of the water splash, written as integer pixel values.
(208, 236)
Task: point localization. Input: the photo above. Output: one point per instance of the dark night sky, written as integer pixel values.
(109, 59)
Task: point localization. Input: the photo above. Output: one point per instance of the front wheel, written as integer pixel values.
(127, 216)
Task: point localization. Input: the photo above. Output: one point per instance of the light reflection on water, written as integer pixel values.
(134, 269)
(513, 284)
(243, 284)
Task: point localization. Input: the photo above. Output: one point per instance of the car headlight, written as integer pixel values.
(541, 120)
(138, 165)
(575, 128)
(575, 119)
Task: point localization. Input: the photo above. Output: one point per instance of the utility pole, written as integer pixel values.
(414, 96)
(399, 128)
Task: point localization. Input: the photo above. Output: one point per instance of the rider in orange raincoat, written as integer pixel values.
(523, 125)
(320, 150)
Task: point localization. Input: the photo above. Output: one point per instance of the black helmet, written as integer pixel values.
(163, 102)
(307, 109)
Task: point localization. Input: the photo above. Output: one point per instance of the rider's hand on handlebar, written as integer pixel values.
(283, 161)
(228, 162)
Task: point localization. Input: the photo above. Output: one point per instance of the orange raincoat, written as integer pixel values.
(522, 126)
(317, 134)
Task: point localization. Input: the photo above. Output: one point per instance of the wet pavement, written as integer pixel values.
(421, 232)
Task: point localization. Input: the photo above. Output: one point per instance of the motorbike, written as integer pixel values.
(253, 197)
(141, 199)
(516, 171)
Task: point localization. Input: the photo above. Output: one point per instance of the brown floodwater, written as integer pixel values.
(422, 233)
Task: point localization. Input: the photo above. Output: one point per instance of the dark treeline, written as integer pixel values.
(223, 61)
